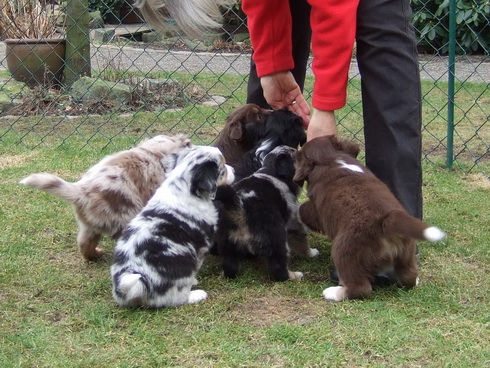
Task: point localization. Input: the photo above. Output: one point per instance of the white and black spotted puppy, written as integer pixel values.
(161, 250)
(254, 216)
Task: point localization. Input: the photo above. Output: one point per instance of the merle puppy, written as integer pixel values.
(255, 213)
(161, 250)
(112, 191)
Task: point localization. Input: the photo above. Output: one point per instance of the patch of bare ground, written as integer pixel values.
(13, 160)
(478, 181)
(266, 311)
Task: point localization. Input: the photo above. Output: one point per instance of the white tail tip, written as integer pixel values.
(434, 234)
(131, 286)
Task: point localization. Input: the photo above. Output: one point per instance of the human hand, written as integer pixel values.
(281, 90)
(322, 123)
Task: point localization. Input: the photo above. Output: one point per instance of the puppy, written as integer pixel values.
(159, 253)
(237, 137)
(254, 216)
(369, 228)
(249, 134)
(113, 191)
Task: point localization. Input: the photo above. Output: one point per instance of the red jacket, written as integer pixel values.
(333, 24)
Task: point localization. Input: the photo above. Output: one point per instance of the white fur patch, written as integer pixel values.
(313, 252)
(249, 194)
(196, 296)
(131, 285)
(350, 167)
(295, 276)
(334, 293)
(230, 175)
(434, 234)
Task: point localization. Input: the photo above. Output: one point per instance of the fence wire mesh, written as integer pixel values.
(121, 81)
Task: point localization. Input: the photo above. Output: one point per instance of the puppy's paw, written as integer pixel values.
(313, 252)
(99, 252)
(295, 276)
(334, 293)
(93, 254)
(417, 281)
(197, 296)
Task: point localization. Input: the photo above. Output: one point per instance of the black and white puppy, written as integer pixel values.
(278, 128)
(161, 250)
(254, 215)
(249, 135)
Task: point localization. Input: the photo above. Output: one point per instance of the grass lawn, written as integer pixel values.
(57, 310)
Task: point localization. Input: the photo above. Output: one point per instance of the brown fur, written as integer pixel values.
(233, 141)
(369, 228)
(113, 191)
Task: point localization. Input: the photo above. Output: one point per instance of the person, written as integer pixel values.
(300, 42)
(391, 96)
(390, 83)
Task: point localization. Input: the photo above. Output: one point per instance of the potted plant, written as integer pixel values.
(35, 49)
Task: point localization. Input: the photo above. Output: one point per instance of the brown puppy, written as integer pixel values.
(113, 191)
(369, 228)
(234, 141)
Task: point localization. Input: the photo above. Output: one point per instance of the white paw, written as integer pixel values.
(197, 296)
(417, 281)
(334, 293)
(313, 252)
(295, 276)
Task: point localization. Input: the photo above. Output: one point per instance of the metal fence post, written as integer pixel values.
(450, 88)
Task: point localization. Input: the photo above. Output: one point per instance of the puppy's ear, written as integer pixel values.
(285, 167)
(303, 168)
(204, 180)
(346, 146)
(171, 160)
(236, 130)
(249, 113)
(299, 131)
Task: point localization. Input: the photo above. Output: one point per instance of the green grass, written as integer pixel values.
(57, 310)
(471, 135)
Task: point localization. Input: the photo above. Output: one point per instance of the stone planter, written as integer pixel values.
(36, 62)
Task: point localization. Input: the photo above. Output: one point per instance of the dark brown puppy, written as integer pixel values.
(234, 141)
(369, 228)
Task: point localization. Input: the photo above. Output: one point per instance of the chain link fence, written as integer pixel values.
(120, 82)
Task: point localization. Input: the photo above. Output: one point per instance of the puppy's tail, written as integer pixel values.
(400, 222)
(132, 289)
(54, 185)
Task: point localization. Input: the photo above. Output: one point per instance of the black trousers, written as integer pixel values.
(391, 96)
